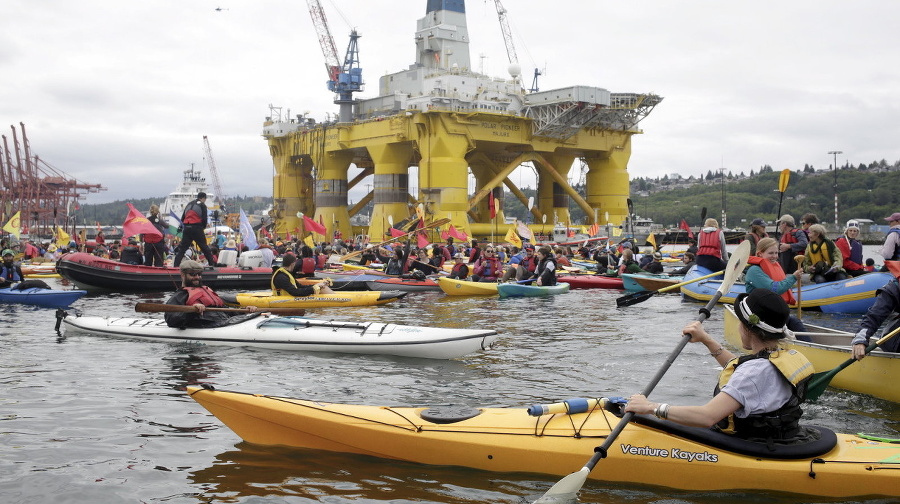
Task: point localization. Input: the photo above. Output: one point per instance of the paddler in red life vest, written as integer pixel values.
(758, 395)
(194, 293)
(711, 253)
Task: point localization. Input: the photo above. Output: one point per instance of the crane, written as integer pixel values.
(515, 69)
(343, 78)
(214, 173)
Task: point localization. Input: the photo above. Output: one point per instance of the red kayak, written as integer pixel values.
(91, 272)
(591, 281)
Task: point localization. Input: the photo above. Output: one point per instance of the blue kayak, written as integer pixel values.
(522, 290)
(48, 298)
(853, 295)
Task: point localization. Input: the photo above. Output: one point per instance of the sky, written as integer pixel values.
(121, 93)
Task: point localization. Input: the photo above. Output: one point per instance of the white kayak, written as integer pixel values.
(299, 333)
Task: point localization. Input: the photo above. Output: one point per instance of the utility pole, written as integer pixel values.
(724, 210)
(835, 153)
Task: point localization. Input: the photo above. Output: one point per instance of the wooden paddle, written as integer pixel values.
(571, 484)
(439, 222)
(799, 258)
(160, 307)
(819, 381)
(639, 297)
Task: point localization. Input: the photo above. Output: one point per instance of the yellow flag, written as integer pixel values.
(512, 238)
(62, 238)
(651, 239)
(13, 226)
(584, 231)
(617, 231)
(309, 241)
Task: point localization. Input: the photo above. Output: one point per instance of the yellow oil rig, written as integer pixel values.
(445, 121)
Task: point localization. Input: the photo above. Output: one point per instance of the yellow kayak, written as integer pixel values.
(466, 288)
(648, 451)
(828, 349)
(265, 299)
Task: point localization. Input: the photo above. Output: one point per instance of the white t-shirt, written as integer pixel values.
(758, 386)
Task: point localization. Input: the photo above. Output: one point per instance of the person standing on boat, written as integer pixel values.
(823, 259)
(851, 250)
(890, 251)
(765, 273)
(155, 246)
(711, 253)
(887, 305)
(545, 273)
(194, 293)
(284, 283)
(10, 270)
(758, 395)
(194, 218)
(792, 242)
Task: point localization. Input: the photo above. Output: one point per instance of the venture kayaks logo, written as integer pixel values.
(673, 453)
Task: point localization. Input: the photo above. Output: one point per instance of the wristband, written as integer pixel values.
(662, 411)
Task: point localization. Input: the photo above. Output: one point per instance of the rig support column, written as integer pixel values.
(443, 171)
(391, 186)
(552, 198)
(607, 183)
(331, 192)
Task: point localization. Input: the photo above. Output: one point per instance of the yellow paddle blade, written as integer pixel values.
(783, 180)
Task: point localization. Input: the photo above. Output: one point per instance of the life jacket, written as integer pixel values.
(460, 271)
(548, 276)
(789, 236)
(783, 423)
(490, 267)
(321, 260)
(896, 256)
(530, 262)
(308, 265)
(855, 255)
(824, 252)
(710, 243)
(203, 295)
(193, 213)
(775, 272)
(11, 273)
(278, 292)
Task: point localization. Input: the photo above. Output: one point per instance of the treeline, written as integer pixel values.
(114, 213)
(864, 192)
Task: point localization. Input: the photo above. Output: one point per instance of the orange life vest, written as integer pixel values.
(775, 272)
(710, 243)
(203, 295)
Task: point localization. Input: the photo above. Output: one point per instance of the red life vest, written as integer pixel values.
(789, 236)
(308, 265)
(710, 243)
(775, 272)
(203, 295)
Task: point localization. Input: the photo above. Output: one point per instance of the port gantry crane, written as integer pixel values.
(345, 78)
(511, 48)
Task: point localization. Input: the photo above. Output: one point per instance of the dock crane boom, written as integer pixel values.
(214, 173)
(343, 78)
(507, 34)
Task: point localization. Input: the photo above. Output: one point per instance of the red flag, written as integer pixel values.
(684, 225)
(422, 239)
(396, 232)
(136, 224)
(445, 235)
(314, 226)
(492, 204)
(459, 235)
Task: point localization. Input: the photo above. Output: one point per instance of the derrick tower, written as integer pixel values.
(445, 120)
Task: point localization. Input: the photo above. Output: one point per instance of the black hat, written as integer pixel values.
(764, 310)
(758, 222)
(201, 195)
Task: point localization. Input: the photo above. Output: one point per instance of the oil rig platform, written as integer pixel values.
(447, 122)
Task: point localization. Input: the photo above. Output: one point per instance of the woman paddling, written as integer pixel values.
(758, 395)
(765, 273)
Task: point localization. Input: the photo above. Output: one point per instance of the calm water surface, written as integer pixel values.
(93, 419)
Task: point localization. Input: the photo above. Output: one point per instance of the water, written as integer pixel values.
(92, 419)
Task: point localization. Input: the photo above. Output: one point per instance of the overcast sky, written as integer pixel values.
(120, 93)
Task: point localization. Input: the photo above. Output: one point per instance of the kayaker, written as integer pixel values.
(545, 273)
(194, 220)
(688, 260)
(887, 303)
(765, 273)
(758, 395)
(284, 283)
(10, 270)
(851, 250)
(890, 251)
(627, 264)
(823, 259)
(396, 262)
(487, 268)
(425, 264)
(711, 253)
(306, 266)
(194, 293)
(655, 265)
(521, 264)
(460, 269)
(791, 242)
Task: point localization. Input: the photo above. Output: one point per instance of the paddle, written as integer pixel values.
(439, 222)
(639, 297)
(571, 484)
(819, 381)
(160, 307)
(799, 258)
(783, 180)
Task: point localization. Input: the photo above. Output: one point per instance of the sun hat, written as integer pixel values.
(190, 266)
(230, 243)
(787, 218)
(459, 256)
(852, 223)
(764, 310)
(8, 252)
(894, 216)
(657, 255)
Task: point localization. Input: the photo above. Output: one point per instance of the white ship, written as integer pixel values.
(185, 192)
